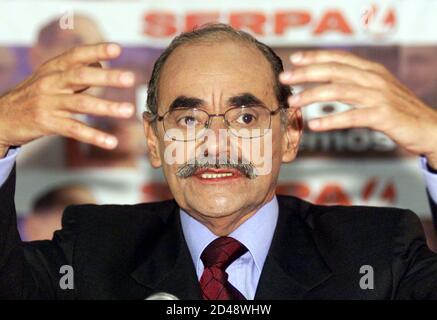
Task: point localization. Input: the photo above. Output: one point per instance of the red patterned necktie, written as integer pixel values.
(216, 257)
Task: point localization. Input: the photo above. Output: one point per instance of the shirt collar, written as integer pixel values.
(256, 233)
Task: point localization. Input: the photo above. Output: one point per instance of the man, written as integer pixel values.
(226, 235)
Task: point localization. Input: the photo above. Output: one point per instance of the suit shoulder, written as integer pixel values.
(353, 220)
(360, 213)
(92, 216)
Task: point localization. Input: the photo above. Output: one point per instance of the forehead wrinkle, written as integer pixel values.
(216, 99)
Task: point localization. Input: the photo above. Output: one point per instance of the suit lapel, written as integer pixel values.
(294, 265)
(169, 267)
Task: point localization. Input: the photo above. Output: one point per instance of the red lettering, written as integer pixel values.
(290, 19)
(390, 19)
(162, 24)
(333, 194)
(389, 193)
(159, 24)
(300, 190)
(156, 191)
(369, 188)
(333, 21)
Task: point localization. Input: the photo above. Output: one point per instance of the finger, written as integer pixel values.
(77, 130)
(87, 104)
(355, 118)
(326, 56)
(84, 77)
(330, 72)
(83, 55)
(347, 93)
(94, 65)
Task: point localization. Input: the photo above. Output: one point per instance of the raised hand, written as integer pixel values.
(380, 101)
(46, 102)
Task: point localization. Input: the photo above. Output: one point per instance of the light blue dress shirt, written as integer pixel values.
(256, 233)
(430, 179)
(6, 164)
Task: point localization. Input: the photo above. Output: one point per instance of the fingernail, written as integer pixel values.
(126, 109)
(293, 100)
(314, 124)
(113, 49)
(110, 142)
(127, 78)
(296, 57)
(285, 75)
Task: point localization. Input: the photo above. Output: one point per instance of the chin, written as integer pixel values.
(216, 206)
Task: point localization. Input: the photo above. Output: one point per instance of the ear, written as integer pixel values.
(152, 144)
(292, 134)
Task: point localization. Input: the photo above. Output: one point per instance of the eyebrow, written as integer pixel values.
(183, 102)
(243, 99)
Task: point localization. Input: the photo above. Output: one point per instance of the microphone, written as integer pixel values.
(162, 296)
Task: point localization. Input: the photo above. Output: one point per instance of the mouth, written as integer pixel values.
(217, 175)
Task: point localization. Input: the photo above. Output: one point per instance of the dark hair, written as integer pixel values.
(216, 31)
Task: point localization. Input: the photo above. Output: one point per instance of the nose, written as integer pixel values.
(215, 140)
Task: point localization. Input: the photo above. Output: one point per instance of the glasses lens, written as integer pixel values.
(248, 122)
(185, 124)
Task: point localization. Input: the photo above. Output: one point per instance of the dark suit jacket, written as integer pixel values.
(432, 203)
(433, 207)
(132, 251)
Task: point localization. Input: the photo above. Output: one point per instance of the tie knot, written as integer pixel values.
(221, 252)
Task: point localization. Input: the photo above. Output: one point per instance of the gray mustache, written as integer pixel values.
(189, 169)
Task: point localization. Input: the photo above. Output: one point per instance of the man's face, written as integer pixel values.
(219, 75)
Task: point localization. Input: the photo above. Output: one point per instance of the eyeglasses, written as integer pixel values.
(188, 124)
